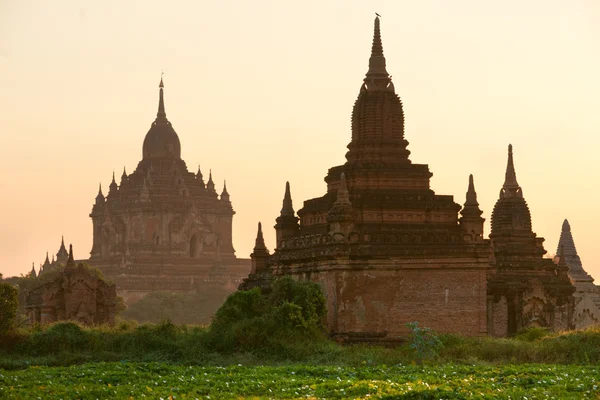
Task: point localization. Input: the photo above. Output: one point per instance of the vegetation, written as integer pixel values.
(8, 306)
(165, 381)
(267, 323)
(273, 345)
(67, 343)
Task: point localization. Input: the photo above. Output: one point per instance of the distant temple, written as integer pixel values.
(388, 250)
(587, 295)
(162, 227)
(72, 293)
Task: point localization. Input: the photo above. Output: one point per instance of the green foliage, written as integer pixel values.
(180, 308)
(8, 306)
(122, 380)
(532, 334)
(286, 321)
(425, 343)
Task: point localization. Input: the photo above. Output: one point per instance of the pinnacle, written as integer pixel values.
(288, 208)
(377, 68)
(471, 193)
(260, 241)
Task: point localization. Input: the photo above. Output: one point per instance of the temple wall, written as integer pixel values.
(373, 302)
(499, 318)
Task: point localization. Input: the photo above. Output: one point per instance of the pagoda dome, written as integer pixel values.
(511, 215)
(161, 141)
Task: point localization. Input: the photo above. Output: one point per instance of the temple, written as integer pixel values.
(73, 292)
(587, 295)
(387, 250)
(162, 227)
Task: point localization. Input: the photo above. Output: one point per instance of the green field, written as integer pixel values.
(126, 380)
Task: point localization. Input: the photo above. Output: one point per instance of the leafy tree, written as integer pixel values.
(8, 306)
(281, 321)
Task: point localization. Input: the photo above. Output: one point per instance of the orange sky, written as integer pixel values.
(262, 91)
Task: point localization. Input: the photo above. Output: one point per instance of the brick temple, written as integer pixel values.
(162, 227)
(388, 250)
(587, 294)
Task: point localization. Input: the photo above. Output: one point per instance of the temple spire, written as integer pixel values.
(343, 197)
(70, 266)
(260, 241)
(471, 194)
(288, 208)
(161, 115)
(377, 73)
(33, 270)
(471, 221)
(511, 187)
(566, 240)
(224, 193)
(210, 185)
(510, 178)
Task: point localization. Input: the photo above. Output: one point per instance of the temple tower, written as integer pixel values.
(287, 222)
(587, 295)
(162, 227)
(524, 289)
(571, 258)
(385, 248)
(471, 221)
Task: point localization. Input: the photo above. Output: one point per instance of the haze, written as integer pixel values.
(261, 92)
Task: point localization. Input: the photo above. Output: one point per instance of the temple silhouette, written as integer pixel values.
(387, 250)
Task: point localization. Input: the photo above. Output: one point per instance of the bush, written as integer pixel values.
(283, 322)
(8, 306)
(425, 343)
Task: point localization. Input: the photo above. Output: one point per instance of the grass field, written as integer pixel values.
(124, 380)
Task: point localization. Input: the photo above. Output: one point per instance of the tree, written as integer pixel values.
(8, 306)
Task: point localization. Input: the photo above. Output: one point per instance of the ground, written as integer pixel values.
(125, 380)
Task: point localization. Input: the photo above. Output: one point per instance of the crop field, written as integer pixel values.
(124, 380)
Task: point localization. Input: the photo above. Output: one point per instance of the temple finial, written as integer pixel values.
(471, 194)
(161, 115)
(510, 176)
(70, 253)
(288, 208)
(565, 226)
(260, 241)
(100, 189)
(511, 187)
(161, 84)
(377, 74)
(210, 185)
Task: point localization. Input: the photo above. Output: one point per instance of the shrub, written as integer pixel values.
(8, 306)
(425, 343)
(284, 322)
(532, 334)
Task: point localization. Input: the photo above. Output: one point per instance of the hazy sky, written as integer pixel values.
(262, 92)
